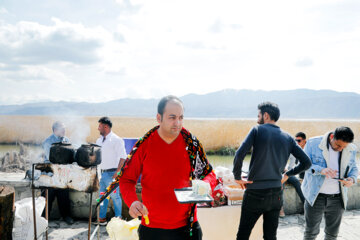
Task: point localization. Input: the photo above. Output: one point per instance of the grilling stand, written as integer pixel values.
(47, 186)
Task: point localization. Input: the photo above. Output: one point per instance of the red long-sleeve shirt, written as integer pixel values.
(164, 167)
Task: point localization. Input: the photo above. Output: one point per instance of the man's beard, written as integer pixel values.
(261, 121)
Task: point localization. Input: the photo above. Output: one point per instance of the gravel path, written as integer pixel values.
(290, 228)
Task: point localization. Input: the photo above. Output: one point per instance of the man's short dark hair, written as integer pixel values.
(106, 121)
(301, 134)
(165, 100)
(271, 108)
(57, 125)
(344, 134)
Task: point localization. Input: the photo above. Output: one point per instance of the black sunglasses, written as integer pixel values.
(298, 140)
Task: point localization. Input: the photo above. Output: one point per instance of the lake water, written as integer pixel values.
(227, 161)
(8, 148)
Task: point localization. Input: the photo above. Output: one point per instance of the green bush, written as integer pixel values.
(224, 151)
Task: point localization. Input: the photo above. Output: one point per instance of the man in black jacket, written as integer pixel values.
(271, 150)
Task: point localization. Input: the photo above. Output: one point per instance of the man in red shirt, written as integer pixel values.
(163, 161)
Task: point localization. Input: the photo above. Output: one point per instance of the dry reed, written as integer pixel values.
(214, 134)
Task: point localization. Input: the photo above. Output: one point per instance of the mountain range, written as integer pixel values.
(228, 103)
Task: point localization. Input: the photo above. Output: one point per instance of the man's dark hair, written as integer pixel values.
(271, 108)
(105, 120)
(164, 101)
(344, 134)
(301, 134)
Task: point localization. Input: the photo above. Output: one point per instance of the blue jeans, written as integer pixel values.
(106, 179)
(332, 209)
(257, 202)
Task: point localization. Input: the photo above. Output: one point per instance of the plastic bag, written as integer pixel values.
(23, 228)
(221, 171)
(231, 189)
(119, 229)
(226, 175)
(217, 192)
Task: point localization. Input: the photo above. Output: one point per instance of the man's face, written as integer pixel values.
(337, 145)
(260, 119)
(300, 141)
(60, 131)
(102, 129)
(171, 122)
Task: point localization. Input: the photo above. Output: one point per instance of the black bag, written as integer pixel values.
(62, 153)
(88, 155)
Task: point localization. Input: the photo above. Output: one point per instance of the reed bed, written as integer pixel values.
(214, 134)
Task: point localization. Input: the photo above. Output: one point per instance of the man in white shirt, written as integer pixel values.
(327, 181)
(113, 156)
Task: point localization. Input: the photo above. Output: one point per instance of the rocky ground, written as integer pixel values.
(290, 228)
(78, 231)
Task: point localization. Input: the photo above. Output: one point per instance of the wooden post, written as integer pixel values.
(90, 216)
(34, 212)
(47, 210)
(7, 210)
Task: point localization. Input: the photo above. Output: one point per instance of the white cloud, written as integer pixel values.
(37, 74)
(32, 52)
(33, 43)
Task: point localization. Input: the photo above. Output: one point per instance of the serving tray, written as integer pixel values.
(185, 195)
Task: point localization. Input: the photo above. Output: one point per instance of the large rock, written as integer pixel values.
(292, 202)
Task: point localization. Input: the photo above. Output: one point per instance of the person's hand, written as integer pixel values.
(243, 183)
(347, 182)
(137, 209)
(284, 178)
(329, 173)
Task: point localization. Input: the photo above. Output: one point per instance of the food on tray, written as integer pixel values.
(234, 192)
(200, 188)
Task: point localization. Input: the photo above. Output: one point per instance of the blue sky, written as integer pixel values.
(98, 51)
